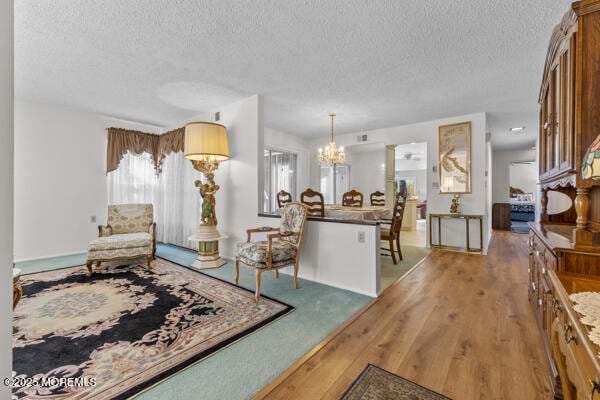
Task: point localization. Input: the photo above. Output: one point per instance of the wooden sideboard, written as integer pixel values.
(569, 119)
(568, 243)
(551, 252)
(575, 355)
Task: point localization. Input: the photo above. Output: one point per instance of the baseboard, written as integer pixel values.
(50, 256)
(290, 272)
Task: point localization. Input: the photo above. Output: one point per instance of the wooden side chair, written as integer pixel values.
(352, 198)
(377, 198)
(280, 250)
(392, 234)
(283, 198)
(314, 201)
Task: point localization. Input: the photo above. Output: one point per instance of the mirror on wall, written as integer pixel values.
(454, 160)
(557, 202)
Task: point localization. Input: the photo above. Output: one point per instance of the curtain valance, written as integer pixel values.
(121, 141)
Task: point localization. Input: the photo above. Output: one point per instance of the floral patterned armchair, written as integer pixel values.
(280, 250)
(130, 233)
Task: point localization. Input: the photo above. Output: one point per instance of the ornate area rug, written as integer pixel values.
(124, 329)
(375, 383)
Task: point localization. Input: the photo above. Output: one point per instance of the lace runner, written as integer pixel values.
(588, 306)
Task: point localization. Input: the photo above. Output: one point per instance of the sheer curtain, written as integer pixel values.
(175, 198)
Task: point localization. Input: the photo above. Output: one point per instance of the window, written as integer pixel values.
(174, 196)
(279, 174)
(334, 182)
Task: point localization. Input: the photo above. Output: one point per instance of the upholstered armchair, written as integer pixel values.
(280, 250)
(130, 233)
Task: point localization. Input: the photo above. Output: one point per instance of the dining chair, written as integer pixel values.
(352, 198)
(377, 198)
(392, 234)
(283, 198)
(314, 201)
(281, 249)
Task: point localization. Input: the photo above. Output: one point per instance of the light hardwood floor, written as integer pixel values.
(417, 238)
(458, 324)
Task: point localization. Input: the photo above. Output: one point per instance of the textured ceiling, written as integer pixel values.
(376, 64)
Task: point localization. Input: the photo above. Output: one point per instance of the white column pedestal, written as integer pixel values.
(208, 252)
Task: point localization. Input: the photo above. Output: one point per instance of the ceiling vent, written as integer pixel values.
(361, 138)
(217, 116)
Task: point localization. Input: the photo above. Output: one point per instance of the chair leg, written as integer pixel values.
(392, 251)
(276, 274)
(398, 245)
(237, 270)
(296, 275)
(88, 265)
(257, 275)
(149, 261)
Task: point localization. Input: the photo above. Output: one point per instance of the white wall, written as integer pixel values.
(283, 141)
(60, 175)
(331, 254)
(501, 161)
(524, 177)
(367, 171)
(473, 203)
(238, 198)
(6, 194)
(60, 178)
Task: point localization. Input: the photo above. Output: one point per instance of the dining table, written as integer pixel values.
(366, 213)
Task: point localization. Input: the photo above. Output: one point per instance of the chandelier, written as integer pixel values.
(332, 154)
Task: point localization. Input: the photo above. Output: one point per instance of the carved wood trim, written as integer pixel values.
(586, 7)
(565, 181)
(582, 206)
(564, 29)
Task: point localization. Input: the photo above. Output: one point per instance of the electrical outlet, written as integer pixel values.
(93, 219)
(361, 237)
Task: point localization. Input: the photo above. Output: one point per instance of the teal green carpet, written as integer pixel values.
(391, 272)
(244, 368)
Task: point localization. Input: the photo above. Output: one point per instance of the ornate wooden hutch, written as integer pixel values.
(565, 247)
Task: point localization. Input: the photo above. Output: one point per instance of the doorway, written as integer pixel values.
(522, 189)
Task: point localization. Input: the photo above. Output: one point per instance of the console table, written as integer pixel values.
(467, 218)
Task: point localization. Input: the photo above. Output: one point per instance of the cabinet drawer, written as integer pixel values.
(544, 255)
(580, 366)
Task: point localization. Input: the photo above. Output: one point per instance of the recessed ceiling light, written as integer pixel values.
(413, 142)
(517, 129)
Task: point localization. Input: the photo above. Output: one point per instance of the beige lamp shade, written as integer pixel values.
(206, 141)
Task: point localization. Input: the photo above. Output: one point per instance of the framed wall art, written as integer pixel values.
(454, 158)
